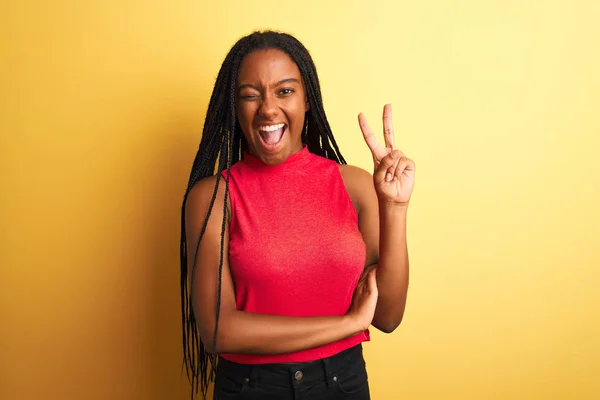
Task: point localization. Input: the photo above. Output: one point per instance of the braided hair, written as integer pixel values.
(223, 140)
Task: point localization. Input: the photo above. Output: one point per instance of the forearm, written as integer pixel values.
(392, 268)
(243, 332)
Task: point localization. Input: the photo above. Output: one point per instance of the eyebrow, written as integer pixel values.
(287, 80)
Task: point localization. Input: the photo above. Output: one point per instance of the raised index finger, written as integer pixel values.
(368, 134)
(388, 129)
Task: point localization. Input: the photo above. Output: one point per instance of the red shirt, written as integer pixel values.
(294, 245)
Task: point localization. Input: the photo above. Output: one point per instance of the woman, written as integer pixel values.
(283, 239)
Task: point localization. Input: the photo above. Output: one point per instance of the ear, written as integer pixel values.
(306, 105)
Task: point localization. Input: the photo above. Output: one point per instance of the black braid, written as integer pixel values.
(223, 141)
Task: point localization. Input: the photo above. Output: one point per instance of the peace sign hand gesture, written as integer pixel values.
(394, 174)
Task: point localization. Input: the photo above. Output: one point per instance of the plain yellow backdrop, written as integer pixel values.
(498, 102)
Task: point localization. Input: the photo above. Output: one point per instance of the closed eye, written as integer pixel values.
(249, 97)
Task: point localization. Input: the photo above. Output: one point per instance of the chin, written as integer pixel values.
(275, 153)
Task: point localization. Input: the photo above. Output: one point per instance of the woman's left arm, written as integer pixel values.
(382, 204)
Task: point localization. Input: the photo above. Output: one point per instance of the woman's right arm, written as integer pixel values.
(244, 332)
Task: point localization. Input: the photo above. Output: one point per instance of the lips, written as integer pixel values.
(272, 134)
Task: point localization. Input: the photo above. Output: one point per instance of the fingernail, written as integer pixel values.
(388, 177)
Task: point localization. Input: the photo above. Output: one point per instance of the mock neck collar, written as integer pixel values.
(294, 160)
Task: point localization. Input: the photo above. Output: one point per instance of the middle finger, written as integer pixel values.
(388, 129)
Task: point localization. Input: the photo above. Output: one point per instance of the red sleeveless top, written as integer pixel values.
(294, 245)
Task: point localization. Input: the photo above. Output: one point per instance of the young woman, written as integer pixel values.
(288, 255)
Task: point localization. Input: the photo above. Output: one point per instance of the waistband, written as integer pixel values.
(293, 374)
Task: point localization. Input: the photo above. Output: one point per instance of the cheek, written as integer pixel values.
(243, 112)
(300, 113)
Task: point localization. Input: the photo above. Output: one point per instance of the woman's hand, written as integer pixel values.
(394, 174)
(364, 302)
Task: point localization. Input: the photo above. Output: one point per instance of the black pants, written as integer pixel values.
(340, 377)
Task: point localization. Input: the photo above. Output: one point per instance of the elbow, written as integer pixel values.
(223, 343)
(208, 342)
(224, 339)
(206, 331)
(209, 347)
(388, 325)
(389, 315)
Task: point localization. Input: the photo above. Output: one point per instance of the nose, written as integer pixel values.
(268, 108)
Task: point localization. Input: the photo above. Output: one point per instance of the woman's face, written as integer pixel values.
(271, 104)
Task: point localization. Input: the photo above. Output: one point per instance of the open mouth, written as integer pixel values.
(271, 135)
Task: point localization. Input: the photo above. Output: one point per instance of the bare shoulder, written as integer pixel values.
(356, 178)
(201, 194)
(202, 190)
(353, 173)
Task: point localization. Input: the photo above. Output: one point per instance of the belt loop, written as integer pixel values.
(252, 373)
(327, 370)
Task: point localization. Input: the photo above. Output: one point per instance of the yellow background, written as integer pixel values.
(498, 102)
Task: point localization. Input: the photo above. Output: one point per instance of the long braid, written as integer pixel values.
(229, 145)
(221, 146)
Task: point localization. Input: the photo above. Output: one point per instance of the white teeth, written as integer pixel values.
(271, 128)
